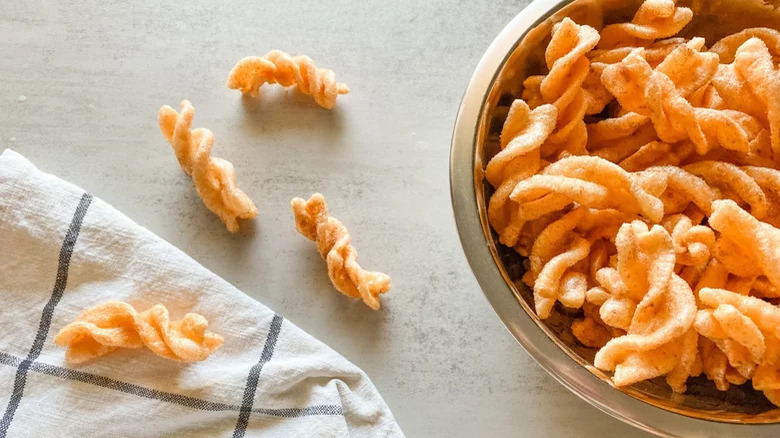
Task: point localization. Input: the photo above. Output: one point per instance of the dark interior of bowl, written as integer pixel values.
(713, 19)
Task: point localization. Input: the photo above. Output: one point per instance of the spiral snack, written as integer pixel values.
(655, 19)
(655, 338)
(645, 91)
(555, 250)
(746, 330)
(589, 181)
(333, 243)
(607, 131)
(754, 62)
(627, 81)
(757, 240)
(562, 86)
(686, 66)
(727, 47)
(733, 181)
(654, 53)
(693, 244)
(523, 134)
(621, 148)
(277, 67)
(104, 328)
(768, 180)
(214, 178)
(681, 188)
(733, 92)
(656, 153)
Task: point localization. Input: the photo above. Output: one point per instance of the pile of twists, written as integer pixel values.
(638, 177)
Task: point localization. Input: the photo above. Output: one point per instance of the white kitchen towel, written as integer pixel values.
(62, 251)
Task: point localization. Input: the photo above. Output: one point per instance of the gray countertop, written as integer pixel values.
(94, 74)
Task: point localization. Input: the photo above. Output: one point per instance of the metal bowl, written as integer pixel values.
(517, 52)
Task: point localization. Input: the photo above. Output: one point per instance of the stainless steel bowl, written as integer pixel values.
(514, 54)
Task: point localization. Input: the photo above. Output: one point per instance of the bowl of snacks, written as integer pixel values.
(615, 181)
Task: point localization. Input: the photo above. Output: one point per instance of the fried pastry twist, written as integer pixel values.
(655, 19)
(104, 328)
(562, 86)
(277, 67)
(214, 178)
(659, 328)
(523, 134)
(589, 181)
(693, 244)
(755, 63)
(758, 241)
(727, 47)
(654, 53)
(745, 329)
(333, 242)
(661, 95)
(729, 181)
(555, 251)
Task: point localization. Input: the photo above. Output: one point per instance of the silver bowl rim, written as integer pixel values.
(499, 294)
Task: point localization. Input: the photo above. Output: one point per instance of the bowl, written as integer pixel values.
(517, 52)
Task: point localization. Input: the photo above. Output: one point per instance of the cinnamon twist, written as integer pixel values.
(693, 244)
(562, 87)
(589, 181)
(333, 243)
(214, 178)
(277, 67)
(744, 328)
(661, 95)
(523, 134)
(555, 251)
(758, 241)
(756, 64)
(727, 47)
(104, 328)
(654, 53)
(750, 85)
(703, 182)
(728, 180)
(656, 339)
(653, 20)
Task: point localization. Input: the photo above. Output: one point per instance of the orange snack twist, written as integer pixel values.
(523, 133)
(654, 53)
(586, 180)
(693, 244)
(562, 86)
(655, 19)
(555, 251)
(661, 95)
(333, 242)
(277, 67)
(731, 181)
(746, 330)
(656, 336)
(106, 327)
(754, 62)
(768, 180)
(727, 47)
(680, 188)
(758, 241)
(214, 178)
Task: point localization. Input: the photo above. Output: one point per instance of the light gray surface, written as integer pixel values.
(94, 74)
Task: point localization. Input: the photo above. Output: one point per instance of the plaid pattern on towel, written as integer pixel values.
(62, 251)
